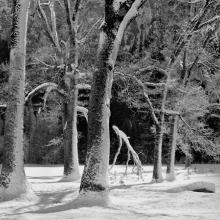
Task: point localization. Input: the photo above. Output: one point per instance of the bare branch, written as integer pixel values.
(209, 22)
(47, 92)
(214, 105)
(69, 21)
(53, 86)
(141, 84)
(48, 28)
(153, 68)
(171, 112)
(94, 26)
(154, 84)
(124, 137)
(168, 111)
(117, 153)
(54, 25)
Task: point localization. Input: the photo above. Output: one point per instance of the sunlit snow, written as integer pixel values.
(131, 198)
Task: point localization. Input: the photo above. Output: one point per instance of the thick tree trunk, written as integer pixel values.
(170, 173)
(12, 178)
(95, 176)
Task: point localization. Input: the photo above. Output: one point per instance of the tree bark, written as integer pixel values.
(170, 173)
(71, 161)
(157, 163)
(32, 122)
(95, 175)
(12, 178)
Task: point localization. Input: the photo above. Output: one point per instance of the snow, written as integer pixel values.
(131, 197)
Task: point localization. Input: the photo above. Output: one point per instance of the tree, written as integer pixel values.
(68, 73)
(186, 73)
(12, 179)
(194, 27)
(118, 14)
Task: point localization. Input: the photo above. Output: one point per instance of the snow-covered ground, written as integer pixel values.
(132, 198)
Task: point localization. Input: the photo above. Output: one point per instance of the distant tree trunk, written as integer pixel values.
(157, 163)
(182, 42)
(157, 169)
(71, 162)
(95, 176)
(188, 158)
(32, 124)
(12, 178)
(170, 173)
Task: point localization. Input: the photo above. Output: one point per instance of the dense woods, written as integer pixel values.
(137, 79)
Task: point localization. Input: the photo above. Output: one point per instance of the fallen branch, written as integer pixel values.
(117, 153)
(136, 159)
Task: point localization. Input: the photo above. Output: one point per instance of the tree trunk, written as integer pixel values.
(188, 158)
(157, 169)
(71, 162)
(32, 124)
(170, 174)
(12, 178)
(157, 164)
(95, 174)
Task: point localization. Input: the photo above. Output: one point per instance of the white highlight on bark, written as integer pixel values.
(83, 86)
(132, 13)
(84, 111)
(42, 86)
(102, 39)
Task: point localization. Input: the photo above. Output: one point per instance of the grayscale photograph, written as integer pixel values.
(109, 109)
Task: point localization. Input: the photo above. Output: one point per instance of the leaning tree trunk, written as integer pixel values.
(12, 178)
(170, 173)
(95, 175)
